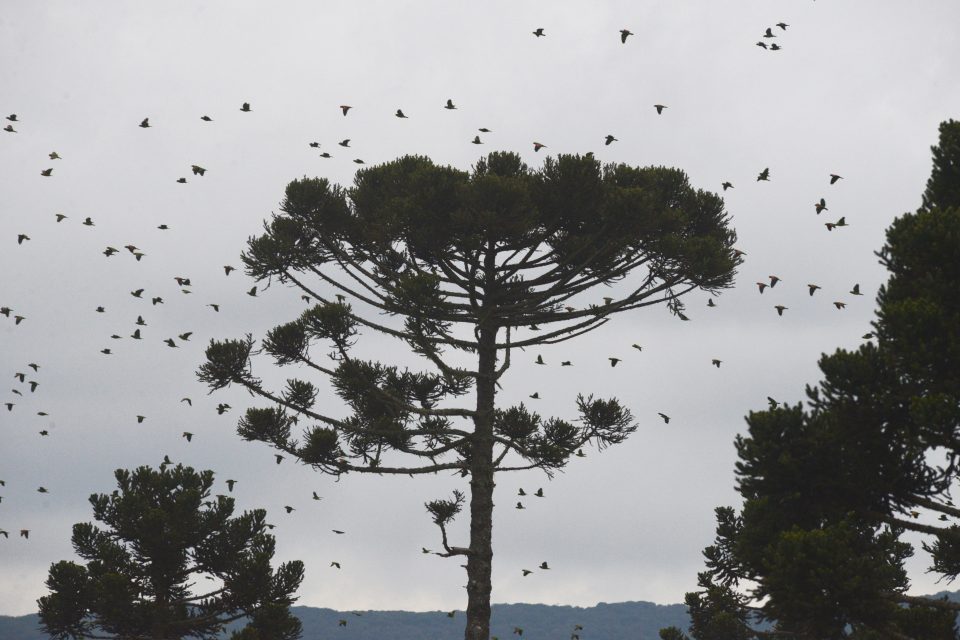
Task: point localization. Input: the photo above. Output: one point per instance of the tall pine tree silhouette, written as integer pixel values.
(503, 251)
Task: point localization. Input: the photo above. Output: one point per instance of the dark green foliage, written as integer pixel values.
(454, 254)
(830, 490)
(162, 533)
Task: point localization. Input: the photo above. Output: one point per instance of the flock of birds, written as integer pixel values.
(26, 376)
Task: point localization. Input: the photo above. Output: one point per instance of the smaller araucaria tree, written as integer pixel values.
(164, 536)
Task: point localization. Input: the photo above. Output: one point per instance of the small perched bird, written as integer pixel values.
(834, 177)
(813, 288)
(449, 104)
(609, 139)
(539, 32)
(764, 175)
(145, 123)
(400, 114)
(780, 309)
(624, 33)
(856, 290)
(821, 206)
(537, 146)
(666, 418)
(245, 106)
(659, 108)
(727, 185)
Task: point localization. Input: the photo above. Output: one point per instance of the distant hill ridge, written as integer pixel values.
(618, 621)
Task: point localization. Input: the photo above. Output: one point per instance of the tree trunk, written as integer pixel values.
(480, 560)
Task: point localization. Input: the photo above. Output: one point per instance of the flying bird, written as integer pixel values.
(609, 139)
(222, 408)
(624, 33)
(345, 142)
(9, 129)
(145, 123)
(769, 33)
(839, 305)
(842, 222)
(783, 25)
(325, 155)
(520, 505)
(526, 572)
(710, 302)
(856, 290)
(666, 418)
(230, 484)
(197, 169)
(540, 360)
(537, 146)
(53, 155)
(716, 363)
(813, 288)
(821, 206)
(182, 180)
(543, 565)
(252, 292)
(727, 185)
(337, 531)
(21, 237)
(171, 343)
(780, 309)
(245, 106)
(60, 217)
(187, 400)
(88, 222)
(613, 361)
(539, 32)
(400, 114)
(773, 281)
(345, 108)
(535, 395)
(476, 140)
(278, 457)
(539, 493)
(521, 492)
(12, 117)
(659, 108)
(47, 173)
(762, 286)
(449, 104)
(764, 175)
(834, 177)
(206, 118)
(187, 435)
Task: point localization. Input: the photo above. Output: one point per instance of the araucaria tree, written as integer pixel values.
(144, 572)
(830, 489)
(504, 251)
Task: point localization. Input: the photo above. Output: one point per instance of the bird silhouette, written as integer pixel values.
(197, 169)
(47, 173)
(337, 531)
(821, 206)
(316, 497)
(223, 408)
(773, 281)
(540, 360)
(526, 572)
(840, 305)
(539, 493)
(539, 32)
(187, 400)
(710, 302)
(566, 363)
(88, 222)
(252, 292)
(206, 118)
(783, 25)
(358, 161)
(21, 376)
(325, 155)
(24, 533)
(182, 180)
(314, 145)
(344, 108)
(476, 140)
(140, 321)
(727, 185)
(521, 492)
(856, 290)
(764, 175)
(812, 288)
(537, 146)
(613, 361)
(544, 566)
(775, 47)
(164, 227)
(33, 385)
(187, 435)
(137, 294)
(624, 33)
(762, 286)
(12, 117)
(400, 114)
(666, 418)
(834, 177)
(9, 129)
(21, 238)
(278, 457)
(637, 347)
(449, 104)
(716, 363)
(769, 33)
(230, 484)
(345, 142)
(215, 307)
(780, 309)
(106, 352)
(140, 419)
(145, 123)
(842, 222)
(535, 395)
(53, 155)
(245, 107)
(42, 490)
(60, 217)
(609, 139)
(157, 300)
(520, 505)
(659, 108)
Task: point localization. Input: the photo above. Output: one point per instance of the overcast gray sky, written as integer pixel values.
(858, 89)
